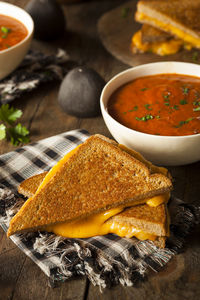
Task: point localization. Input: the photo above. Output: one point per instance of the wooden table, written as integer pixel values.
(20, 278)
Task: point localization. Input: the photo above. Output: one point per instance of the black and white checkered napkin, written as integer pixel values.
(105, 260)
(36, 68)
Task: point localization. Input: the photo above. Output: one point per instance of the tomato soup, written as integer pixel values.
(165, 104)
(12, 32)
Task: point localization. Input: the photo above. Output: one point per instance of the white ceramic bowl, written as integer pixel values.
(10, 58)
(161, 150)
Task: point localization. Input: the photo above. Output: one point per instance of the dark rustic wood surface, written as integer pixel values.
(20, 278)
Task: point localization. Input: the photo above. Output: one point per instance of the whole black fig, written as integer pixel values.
(49, 19)
(79, 93)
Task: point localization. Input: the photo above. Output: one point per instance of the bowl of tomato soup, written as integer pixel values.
(155, 109)
(16, 31)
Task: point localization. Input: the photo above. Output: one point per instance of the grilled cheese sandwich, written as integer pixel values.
(184, 36)
(96, 222)
(167, 26)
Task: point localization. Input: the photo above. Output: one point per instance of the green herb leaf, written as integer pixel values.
(166, 97)
(166, 103)
(188, 120)
(140, 119)
(135, 108)
(183, 101)
(5, 31)
(196, 109)
(145, 118)
(18, 134)
(185, 90)
(2, 131)
(147, 106)
(181, 123)
(144, 89)
(9, 114)
(125, 11)
(149, 117)
(196, 103)
(175, 107)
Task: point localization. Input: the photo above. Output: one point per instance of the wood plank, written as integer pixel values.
(11, 263)
(56, 121)
(33, 284)
(192, 187)
(5, 243)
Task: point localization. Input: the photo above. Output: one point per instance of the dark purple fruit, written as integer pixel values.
(48, 17)
(79, 93)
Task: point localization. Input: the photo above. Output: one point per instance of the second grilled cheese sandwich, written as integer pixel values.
(180, 20)
(179, 33)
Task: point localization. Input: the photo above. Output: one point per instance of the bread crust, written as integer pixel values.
(29, 186)
(152, 220)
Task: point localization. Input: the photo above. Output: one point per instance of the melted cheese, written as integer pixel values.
(157, 200)
(128, 231)
(97, 225)
(87, 227)
(160, 48)
(172, 29)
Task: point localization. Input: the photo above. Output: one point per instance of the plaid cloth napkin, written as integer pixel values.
(36, 68)
(105, 260)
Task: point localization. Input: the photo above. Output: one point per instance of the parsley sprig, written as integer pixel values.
(16, 133)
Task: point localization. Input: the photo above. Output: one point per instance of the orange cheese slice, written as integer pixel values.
(97, 225)
(160, 48)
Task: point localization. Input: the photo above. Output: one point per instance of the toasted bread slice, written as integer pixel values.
(145, 221)
(29, 186)
(151, 34)
(152, 220)
(181, 21)
(96, 177)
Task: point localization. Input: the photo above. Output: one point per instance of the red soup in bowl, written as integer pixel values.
(12, 32)
(164, 104)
